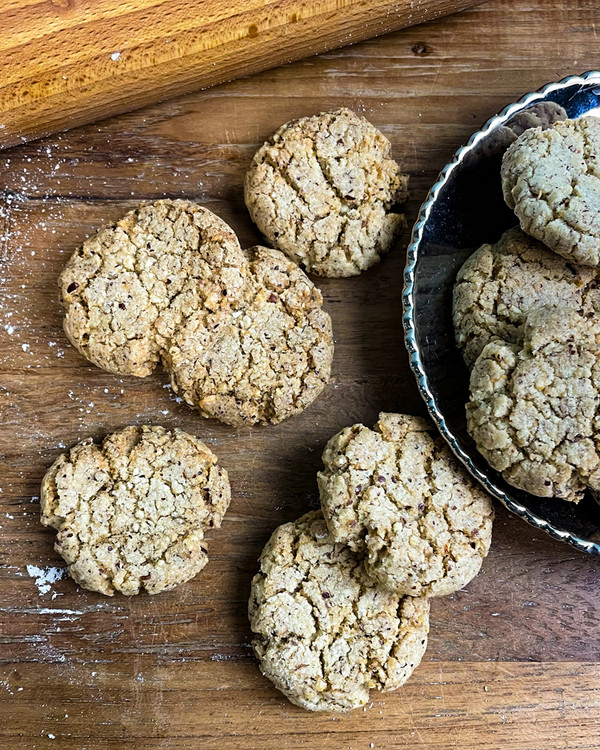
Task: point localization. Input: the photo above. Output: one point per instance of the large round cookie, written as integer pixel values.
(325, 633)
(533, 411)
(261, 361)
(128, 287)
(397, 496)
(499, 284)
(551, 178)
(322, 189)
(131, 513)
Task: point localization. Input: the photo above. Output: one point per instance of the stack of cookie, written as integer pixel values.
(341, 602)
(525, 316)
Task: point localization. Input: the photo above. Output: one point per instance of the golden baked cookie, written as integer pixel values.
(325, 633)
(263, 360)
(323, 189)
(131, 513)
(534, 405)
(128, 287)
(499, 284)
(551, 178)
(397, 497)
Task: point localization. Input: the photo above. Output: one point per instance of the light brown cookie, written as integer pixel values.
(533, 411)
(551, 178)
(261, 361)
(499, 284)
(325, 633)
(128, 287)
(131, 513)
(322, 189)
(397, 497)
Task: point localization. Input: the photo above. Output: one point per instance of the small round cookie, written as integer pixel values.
(128, 287)
(499, 284)
(551, 178)
(325, 633)
(539, 115)
(131, 513)
(397, 496)
(533, 411)
(322, 189)
(260, 362)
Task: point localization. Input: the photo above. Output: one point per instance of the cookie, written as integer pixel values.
(261, 361)
(322, 189)
(539, 115)
(533, 410)
(499, 284)
(551, 178)
(131, 513)
(397, 497)
(128, 287)
(325, 633)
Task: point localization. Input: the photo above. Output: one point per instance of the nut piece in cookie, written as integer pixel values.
(499, 284)
(551, 178)
(131, 513)
(261, 361)
(323, 189)
(325, 633)
(533, 410)
(397, 497)
(128, 287)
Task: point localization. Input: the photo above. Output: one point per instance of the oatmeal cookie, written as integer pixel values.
(325, 633)
(261, 361)
(396, 496)
(128, 287)
(551, 178)
(131, 513)
(540, 115)
(499, 284)
(533, 410)
(322, 189)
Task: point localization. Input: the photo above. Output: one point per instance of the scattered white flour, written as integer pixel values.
(172, 395)
(45, 577)
(115, 56)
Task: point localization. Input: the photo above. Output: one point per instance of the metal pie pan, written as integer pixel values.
(463, 210)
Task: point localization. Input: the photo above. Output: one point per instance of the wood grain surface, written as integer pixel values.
(513, 659)
(68, 62)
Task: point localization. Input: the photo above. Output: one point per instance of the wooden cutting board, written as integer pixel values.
(513, 660)
(68, 62)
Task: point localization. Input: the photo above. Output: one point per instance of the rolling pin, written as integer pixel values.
(65, 63)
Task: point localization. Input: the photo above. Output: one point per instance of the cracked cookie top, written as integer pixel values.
(499, 284)
(263, 360)
(397, 496)
(551, 178)
(533, 410)
(322, 190)
(325, 633)
(131, 513)
(128, 287)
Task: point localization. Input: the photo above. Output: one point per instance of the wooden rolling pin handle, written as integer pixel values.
(69, 62)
